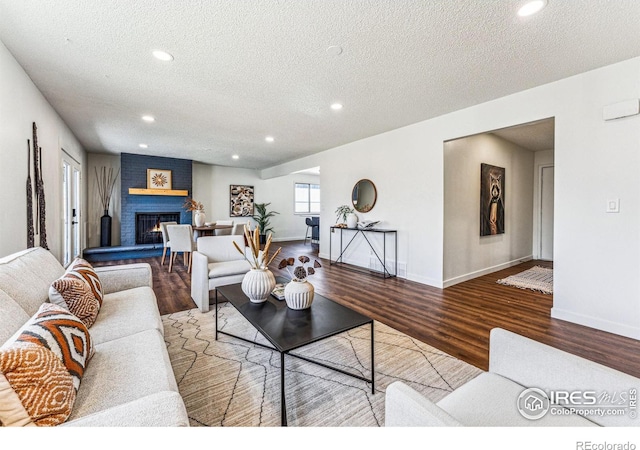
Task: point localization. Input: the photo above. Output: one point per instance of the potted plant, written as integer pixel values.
(105, 183)
(298, 293)
(258, 283)
(347, 214)
(197, 208)
(263, 220)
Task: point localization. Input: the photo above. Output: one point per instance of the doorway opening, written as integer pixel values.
(523, 154)
(71, 213)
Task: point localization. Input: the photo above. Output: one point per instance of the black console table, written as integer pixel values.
(364, 231)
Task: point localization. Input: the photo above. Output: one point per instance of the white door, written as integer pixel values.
(71, 201)
(546, 214)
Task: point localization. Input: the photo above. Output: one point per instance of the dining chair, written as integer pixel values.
(181, 238)
(226, 231)
(314, 224)
(166, 244)
(238, 229)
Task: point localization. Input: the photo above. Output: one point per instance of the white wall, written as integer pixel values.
(467, 254)
(597, 255)
(21, 104)
(95, 211)
(409, 198)
(211, 187)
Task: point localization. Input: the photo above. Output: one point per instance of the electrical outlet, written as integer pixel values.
(613, 205)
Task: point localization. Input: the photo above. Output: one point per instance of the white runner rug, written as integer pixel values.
(537, 278)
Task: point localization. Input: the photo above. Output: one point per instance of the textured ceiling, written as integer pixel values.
(247, 69)
(534, 136)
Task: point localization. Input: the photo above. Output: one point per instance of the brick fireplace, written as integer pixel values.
(134, 175)
(148, 226)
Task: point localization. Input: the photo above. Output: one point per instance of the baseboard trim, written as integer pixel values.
(597, 323)
(488, 270)
(424, 280)
(360, 262)
(281, 239)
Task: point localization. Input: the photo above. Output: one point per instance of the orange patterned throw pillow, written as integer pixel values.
(35, 387)
(40, 371)
(75, 296)
(64, 334)
(79, 290)
(82, 270)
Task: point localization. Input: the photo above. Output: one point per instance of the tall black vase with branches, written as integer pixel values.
(105, 181)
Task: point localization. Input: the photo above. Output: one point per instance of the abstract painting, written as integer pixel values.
(491, 200)
(241, 200)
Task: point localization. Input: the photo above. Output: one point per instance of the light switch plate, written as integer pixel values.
(613, 205)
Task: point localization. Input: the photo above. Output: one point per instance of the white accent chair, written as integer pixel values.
(166, 244)
(181, 238)
(216, 263)
(226, 231)
(491, 399)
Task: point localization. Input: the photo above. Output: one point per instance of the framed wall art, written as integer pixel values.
(158, 179)
(241, 200)
(491, 200)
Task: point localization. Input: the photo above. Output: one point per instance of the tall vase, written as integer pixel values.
(257, 284)
(105, 229)
(299, 294)
(199, 218)
(352, 220)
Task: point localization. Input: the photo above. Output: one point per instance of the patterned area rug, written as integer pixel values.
(536, 279)
(232, 383)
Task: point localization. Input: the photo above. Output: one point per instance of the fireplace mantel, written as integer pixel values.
(173, 192)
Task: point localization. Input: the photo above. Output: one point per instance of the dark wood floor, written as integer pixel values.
(456, 320)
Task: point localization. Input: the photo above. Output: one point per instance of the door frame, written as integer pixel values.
(71, 237)
(541, 168)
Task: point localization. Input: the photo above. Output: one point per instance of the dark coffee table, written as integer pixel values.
(287, 329)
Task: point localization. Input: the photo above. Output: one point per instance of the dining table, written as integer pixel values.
(209, 230)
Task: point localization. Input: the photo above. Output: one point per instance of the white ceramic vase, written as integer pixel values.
(199, 217)
(298, 294)
(257, 284)
(352, 220)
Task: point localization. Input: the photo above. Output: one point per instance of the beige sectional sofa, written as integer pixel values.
(579, 392)
(129, 380)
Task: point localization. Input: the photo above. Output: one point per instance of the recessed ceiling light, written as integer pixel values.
(148, 118)
(531, 7)
(336, 106)
(269, 139)
(162, 55)
(334, 50)
(235, 157)
(143, 146)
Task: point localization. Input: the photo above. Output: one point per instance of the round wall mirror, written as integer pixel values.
(364, 195)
